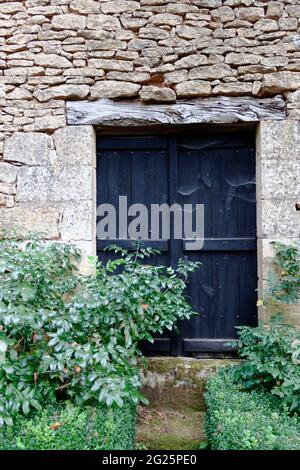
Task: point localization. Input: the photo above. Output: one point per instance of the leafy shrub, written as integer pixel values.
(68, 337)
(272, 352)
(242, 420)
(284, 283)
(69, 427)
(272, 361)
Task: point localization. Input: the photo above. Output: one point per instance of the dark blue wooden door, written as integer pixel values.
(218, 171)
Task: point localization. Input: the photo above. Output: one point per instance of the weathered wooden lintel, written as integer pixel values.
(218, 110)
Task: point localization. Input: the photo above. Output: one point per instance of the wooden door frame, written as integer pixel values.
(174, 345)
(110, 118)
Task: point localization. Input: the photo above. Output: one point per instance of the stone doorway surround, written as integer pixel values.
(54, 179)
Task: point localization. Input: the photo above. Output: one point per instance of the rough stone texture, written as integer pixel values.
(65, 92)
(77, 221)
(278, 191)
(25, 219)
(54, 183)
(193, 88)
(114, 89)
(57, 50)
(154, 93)
(53, 51)
(168, 379)
(76, 145)
(28, 148)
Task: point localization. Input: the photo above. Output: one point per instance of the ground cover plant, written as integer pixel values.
(256, 404)
(238, 419)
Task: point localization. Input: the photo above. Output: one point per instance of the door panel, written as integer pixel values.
(219, 172)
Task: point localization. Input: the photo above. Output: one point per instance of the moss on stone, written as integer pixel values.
(171, 379)
(163, 428)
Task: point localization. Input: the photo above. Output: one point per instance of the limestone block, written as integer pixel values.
(114, 89)
(294, 97)
(293, 11)
(223, 14)
(46, 10)
(106, 64)
(62, 92)
(251, 14)
(8, 173)
(53, 61)
(119, 6)
(134, 77)
(191, 61)
(30, 219)
(6, 188)
(276, 61)
(279, 82)
(242, 59)
(107, 22)
(233, 89)
(106, 45)
(279, 140)
(49, 123)
(134, 23)
(192, 32)
(176, 77)
(274, 10)
(19, 94)
(75, 145)
(266, 25)
(279, 219)
(140, 44)
(280, 179)
(193, 88)
(165, 19)
(77, 221)
(55, 183)
(9, 200)
(155, 93)
(9, 8)
(212, 72)
(209, 3)
(28, 148)
(288, 24)
(180, 8)
(69, 21)
(85, 6)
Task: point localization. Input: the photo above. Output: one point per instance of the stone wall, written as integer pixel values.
(155, 50)
(278, 192)
(161, 51)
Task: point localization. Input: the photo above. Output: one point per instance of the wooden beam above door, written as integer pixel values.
(217, 110)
